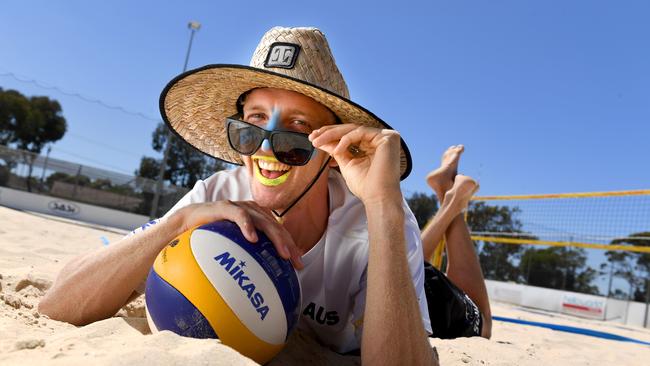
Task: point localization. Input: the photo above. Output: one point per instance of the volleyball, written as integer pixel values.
(211, 282)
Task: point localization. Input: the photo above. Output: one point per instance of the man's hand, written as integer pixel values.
(248, 215)
(369, 161)
(368, 158)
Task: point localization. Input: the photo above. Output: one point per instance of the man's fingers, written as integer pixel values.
(276, 232)
(328, 134)
(278, 235)
(296, 258)
(350, 143)
(252, 206)
(249, 217)
(243, 219)
(342, 141)
(297, 263)
(282, 241)
(323, 129)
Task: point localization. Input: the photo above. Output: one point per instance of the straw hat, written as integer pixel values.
(195, 104)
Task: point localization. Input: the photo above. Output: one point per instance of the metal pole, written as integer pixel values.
(47, 157)
(530, 264)
(629, 299)
(193, 26)
(611, 276)
(647, 302)
(76, 182)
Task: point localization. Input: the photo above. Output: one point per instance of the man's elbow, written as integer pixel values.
(426, 356)
(54, 309)
(486, 329)
(47, 306)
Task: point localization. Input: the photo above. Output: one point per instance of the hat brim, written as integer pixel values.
(195, 104)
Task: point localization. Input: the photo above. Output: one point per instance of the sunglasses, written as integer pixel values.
(291, 148)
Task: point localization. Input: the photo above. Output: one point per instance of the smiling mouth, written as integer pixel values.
(269, 171)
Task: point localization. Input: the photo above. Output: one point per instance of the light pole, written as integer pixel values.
(193, 26)
(47, 157)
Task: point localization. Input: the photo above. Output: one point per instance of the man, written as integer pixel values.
(287, 118)
(458, 302)
(320, 177)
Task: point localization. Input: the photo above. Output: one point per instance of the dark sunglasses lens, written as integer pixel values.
(244, 138)
(291, 148)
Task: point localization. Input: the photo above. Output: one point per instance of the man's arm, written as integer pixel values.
(96, 285)
(393, 332)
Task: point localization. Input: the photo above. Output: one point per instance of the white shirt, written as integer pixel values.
(333, 280)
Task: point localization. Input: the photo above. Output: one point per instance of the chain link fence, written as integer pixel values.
(27, 171)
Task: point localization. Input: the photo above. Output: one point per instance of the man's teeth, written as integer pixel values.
(272, 166)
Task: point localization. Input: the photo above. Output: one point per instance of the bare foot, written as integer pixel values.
(442, 179)
(461, 192)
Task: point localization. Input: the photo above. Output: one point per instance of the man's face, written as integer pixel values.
(274, 184)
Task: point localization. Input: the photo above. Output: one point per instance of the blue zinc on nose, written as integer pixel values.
(266, 145)
(273, 123)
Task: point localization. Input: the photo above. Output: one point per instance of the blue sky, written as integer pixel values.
(548, 96)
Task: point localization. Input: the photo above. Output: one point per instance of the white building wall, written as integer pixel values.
(616, 310)
(70, 209)
(636, 313)
(588, 306)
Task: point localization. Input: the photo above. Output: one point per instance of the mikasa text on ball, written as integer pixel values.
(211, 282)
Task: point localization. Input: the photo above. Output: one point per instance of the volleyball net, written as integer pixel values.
(596, 242)
(618, 220)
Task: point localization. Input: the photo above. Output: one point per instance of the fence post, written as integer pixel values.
(47, 157)
(528, 267)
(611, 276)
(76, 182)
(647, 302)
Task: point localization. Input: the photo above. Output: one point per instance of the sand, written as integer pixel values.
(34, 247)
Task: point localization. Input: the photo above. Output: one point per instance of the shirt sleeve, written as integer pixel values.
(359, 307)
(415, 259)
(197, 194)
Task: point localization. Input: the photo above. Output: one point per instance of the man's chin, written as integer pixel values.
(268, 198)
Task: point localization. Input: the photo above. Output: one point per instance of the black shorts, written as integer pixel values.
(452, 313)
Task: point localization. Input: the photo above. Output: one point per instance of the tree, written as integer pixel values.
(551, 267)
(30, 124)
(497, 260)
(423, 207)
(559, 268)
(44, 123)
(633, 267)
(14, 108)
(185, 165)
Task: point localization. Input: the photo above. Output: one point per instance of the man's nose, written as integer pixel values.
(270, 126)
(266, 146)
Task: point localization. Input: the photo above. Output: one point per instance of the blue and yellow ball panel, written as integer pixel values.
(280, 271)
(241, 281)
(244, 294)
(170, 310)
